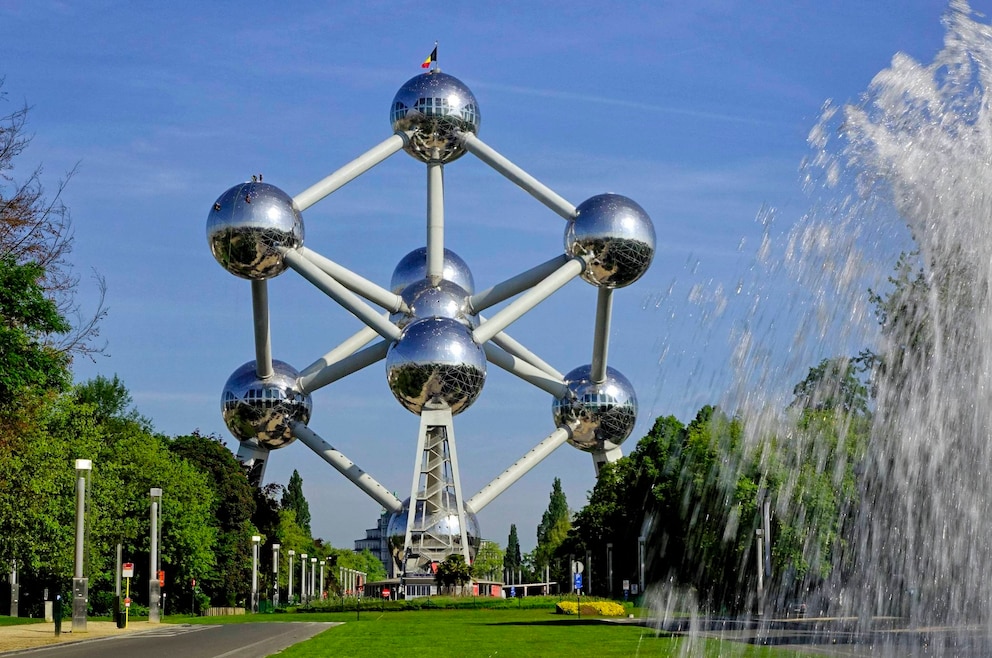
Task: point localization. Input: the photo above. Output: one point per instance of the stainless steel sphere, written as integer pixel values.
(262, 409)
(413, 268)
(435, 361)
(442, 525)
(445, 300)
(248, 224)
(600, 416)
(434, 105)
(617, 238)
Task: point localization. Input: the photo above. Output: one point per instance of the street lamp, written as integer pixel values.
(313, 576)
(255, 539)
(609, 566)
(275, 575)
(154, 585)
(80, 584)
(289, 596)
(303, 578)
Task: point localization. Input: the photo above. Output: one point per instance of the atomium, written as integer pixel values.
(428, 324)
(600, 415)
(435, 361)
(615, 236)
(263, 408)
(247, 227)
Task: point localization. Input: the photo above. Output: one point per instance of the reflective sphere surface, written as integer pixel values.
(413, 268)
(263, 408)
(442, 525)
(434, 105)
(445, 300)
(248, 224)
(435, 360)
(617, 238)
(601, 416)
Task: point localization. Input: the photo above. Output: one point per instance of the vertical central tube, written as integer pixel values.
(263, 343)
(435, 222)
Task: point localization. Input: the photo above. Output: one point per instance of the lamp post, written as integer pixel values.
(255, 539)
(154, 585)
(275, 575)
(640, 564)
(313, 577)
(322, 562)
(289, 596)
(609, 567)
(80, 584)
(303, 578)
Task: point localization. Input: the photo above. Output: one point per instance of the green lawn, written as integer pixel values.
(489, 632)
(17, 621)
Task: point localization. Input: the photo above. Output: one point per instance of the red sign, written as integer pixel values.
(127, 570)
(161, 578)
(386, 592)
(127, 602)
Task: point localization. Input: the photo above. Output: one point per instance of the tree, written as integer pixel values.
(37, 229)
(512, 557)
(552, 531)
(27, 318)
(293, 499)
(489, 561)
(453, 572)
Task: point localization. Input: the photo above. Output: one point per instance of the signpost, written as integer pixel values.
(127, 572)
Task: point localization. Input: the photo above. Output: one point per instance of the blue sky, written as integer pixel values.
(698, 111)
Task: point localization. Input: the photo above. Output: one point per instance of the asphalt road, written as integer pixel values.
(191, 641)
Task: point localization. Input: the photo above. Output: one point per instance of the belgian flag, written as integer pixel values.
(430, 58)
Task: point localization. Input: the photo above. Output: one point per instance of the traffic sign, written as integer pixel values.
(578, 581)
(127, 570)
(127, 602)
(577, 566)
(386, 592)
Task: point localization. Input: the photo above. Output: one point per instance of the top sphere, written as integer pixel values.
(434, 105)
(412, 268)
(248, 225)
(615, 236)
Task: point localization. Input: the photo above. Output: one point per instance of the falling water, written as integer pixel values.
(907, 168)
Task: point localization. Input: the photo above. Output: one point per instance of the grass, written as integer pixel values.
(489, 632)
(18, 621)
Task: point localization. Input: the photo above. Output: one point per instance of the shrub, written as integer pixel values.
(592, 608)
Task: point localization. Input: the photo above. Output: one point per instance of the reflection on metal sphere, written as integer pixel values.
(435, 360)
(248, 224)
(434, 105)
(600, 416)
(615, 235)
(263, 408)
(442, 527)
(445, 300)
(413, 268)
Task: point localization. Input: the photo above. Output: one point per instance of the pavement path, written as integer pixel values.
(30, 636)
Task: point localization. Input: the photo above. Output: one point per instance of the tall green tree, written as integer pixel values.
(489, 561)
(293, 499)
(512, 557)
(453, 572)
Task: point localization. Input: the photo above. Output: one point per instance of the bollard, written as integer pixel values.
(57, 614)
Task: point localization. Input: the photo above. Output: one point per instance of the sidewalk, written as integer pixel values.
(30, 636)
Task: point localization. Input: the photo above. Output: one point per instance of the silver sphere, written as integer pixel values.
(248, 225)
(600, 416)
(435, 360)
(615, 236)
(442, 525)
(262, 409)
(445, 300)
(413, 268)
(434, 105)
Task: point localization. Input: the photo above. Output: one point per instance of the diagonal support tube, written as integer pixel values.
(516, 349)
(519, 468)
(511, 313)
(515, 285)
(260, 316)
(525, 371)
(531, 185)
(355, 283)
(344, 367)
(336, 291)
(601, 338)
(351, 171)
(357, 341)
(347, 468)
